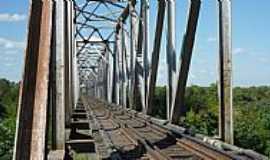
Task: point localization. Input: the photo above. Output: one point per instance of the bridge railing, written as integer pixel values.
(104, 47)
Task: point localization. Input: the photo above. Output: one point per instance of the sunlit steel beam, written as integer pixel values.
(178, 109)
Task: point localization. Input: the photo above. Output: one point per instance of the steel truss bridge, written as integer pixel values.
(89, 82)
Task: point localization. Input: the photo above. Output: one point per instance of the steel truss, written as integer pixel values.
(102, 48)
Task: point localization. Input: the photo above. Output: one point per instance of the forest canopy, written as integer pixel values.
(8, 104)
(251, 114)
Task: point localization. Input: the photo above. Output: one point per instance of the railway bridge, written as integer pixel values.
(89, 81)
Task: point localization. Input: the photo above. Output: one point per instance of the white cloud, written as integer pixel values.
(211, 39)
(11, 44)
(238, 51)
(6, 17)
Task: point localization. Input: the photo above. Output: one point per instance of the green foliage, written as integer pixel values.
(160, 102)
(252, 127)
(202, 107)
(251, 114)
(8, 103)
(7, 130)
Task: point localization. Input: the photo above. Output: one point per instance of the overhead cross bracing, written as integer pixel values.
(95, 40)
(100, 50)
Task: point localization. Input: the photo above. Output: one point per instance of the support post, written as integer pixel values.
(171, 55)
(225, 72)
(139, 73)
(122, 65)
(71, 54)
(68, 64)
(75, 77)
(132, 75)
(146, 51)
(106, 74)
(30, 139)
(155, 55)
(178, 109)
(59, 88)
(116, 69)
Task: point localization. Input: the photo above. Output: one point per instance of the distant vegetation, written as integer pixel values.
(8, 104)
(251, 114)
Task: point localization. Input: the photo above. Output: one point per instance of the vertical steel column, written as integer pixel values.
(178, 109)
(103, 79)
(155, 55)
(76, 89)
(132, 15)
(171, 55)
(97, 81)
(30, 140)
(109, 74)
(106, 74)
(59, 110)
(22, 147)
(72, 53)
(225, 66)
(96, 86)
(68, 99)
(120, 67)
(100, 76)
(123, 66)
(40, 119)
(146, 50)
(116, 69)
(127, 68)
(141, 60)
(139, 73)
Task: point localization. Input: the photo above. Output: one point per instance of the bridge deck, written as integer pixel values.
(117, 133)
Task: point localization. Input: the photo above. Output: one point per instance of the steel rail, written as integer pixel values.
(185, 142)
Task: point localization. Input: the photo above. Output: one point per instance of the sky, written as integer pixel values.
(250, 28)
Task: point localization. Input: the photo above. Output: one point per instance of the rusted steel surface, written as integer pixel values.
(72, 50)
(146, 137)
(38, 143)
(27, 91)
(32, 110)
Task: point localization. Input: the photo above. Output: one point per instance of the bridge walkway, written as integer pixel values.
(111, 132)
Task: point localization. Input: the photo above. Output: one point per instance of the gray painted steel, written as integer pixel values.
(170, 55)
(59, 108)
(225, 70)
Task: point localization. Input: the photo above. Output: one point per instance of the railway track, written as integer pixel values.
(134, 137)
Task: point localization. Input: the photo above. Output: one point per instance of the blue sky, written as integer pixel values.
(251, 48)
